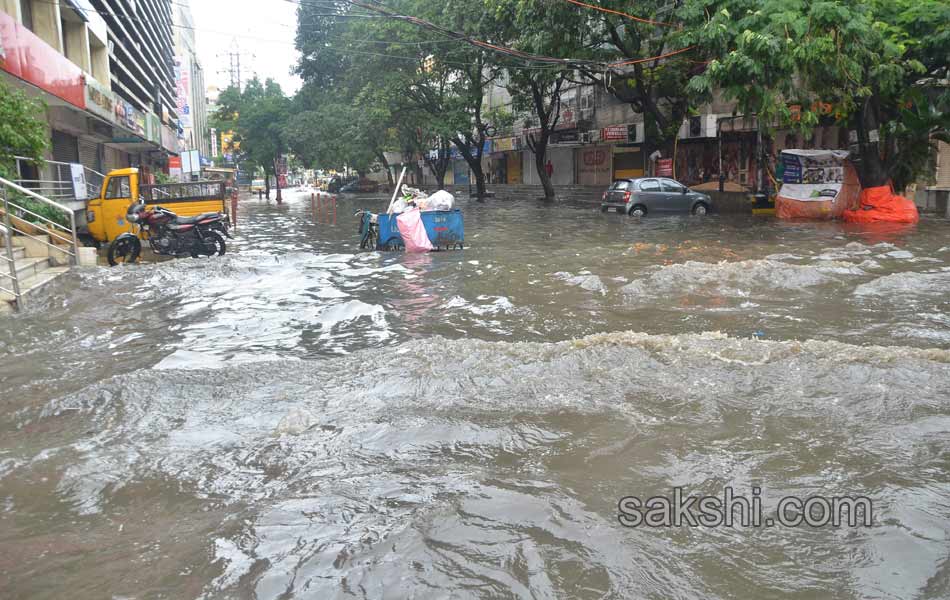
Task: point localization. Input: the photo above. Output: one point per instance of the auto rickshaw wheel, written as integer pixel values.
(123, 250)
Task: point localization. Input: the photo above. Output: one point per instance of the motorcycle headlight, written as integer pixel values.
(132, 217)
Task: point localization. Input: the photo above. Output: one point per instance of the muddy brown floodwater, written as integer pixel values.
(301, 420)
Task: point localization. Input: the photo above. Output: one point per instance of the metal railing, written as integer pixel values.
(20, 220)
(60, 187)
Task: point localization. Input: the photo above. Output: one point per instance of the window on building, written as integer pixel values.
(118, 188)
(26, 13)
(64, 27)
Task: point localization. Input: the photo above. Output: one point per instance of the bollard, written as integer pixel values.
(334, 210)
(234, 208)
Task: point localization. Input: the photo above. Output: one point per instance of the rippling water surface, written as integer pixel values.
(299, 419)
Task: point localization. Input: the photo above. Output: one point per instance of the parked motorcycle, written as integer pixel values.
(170, 235)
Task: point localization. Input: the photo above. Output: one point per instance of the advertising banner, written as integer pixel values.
(664, 167)
(129, 117)
(183, 85)
(812, 175)
(80, 192)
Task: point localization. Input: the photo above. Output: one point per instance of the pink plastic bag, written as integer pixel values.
(413, 232)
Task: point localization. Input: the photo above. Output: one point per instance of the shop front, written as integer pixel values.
(559, 161)
(593, 165)
(505, 162)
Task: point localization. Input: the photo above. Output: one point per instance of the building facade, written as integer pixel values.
(190, 86)
(98, 67)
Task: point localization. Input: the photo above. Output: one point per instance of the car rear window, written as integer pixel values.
(649, 185)
(620, 185)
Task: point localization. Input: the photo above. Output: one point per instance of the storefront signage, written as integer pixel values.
(664, 167)
(99, 100)
(508, 144)
(614, 133)
(129, 117)
(565, 137)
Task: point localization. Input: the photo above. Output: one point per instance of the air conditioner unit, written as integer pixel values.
(700, 126)
(635, 133)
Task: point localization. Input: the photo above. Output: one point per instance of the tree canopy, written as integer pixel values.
(259, 115)
(375, 82)
(22, 132)
(878, 68)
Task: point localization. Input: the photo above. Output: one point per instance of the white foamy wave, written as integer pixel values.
(744, 278)
(906, 286)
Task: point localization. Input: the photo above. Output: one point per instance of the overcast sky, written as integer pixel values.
(262, 30)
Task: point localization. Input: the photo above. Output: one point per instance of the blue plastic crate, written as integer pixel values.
(445, 228)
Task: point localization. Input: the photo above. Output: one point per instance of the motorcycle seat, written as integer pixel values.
(192, 220)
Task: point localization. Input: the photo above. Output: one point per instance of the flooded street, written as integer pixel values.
(299, 419)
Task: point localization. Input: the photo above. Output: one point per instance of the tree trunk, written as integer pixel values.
(871, 169)
(543, 174)
(438, 168)
(540, 148)
(474, 160)
(389, 173)
(267, 183)
(277, 182)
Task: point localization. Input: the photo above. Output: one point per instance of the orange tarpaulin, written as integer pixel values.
(881, 204)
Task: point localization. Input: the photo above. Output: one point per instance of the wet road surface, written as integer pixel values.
(301, 420)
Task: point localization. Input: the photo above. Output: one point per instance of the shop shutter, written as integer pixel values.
(89, 155)
(65, 147)
(943, 166)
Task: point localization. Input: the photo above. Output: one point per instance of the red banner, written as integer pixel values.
(28, 57)
(664, 167)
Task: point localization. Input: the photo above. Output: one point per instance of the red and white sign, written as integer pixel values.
(614, 133)
(31, 59)
(664, 167)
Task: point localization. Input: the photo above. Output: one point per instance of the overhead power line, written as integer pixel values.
(622, 14)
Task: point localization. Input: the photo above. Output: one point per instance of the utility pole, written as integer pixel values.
(233, 70)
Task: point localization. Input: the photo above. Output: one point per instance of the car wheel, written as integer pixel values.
(701, 209)
(638, 211)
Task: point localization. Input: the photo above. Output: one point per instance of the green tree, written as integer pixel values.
(881, 65)
(540, 28)
(429, 89)
(259, 114)
(21, 132)
(647, 69)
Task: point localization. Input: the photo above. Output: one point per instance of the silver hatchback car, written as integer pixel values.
(654, 195)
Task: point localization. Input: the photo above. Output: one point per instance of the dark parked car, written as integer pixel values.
(654, 195)
(360, 186)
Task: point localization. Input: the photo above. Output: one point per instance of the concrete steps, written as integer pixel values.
(35, 268)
